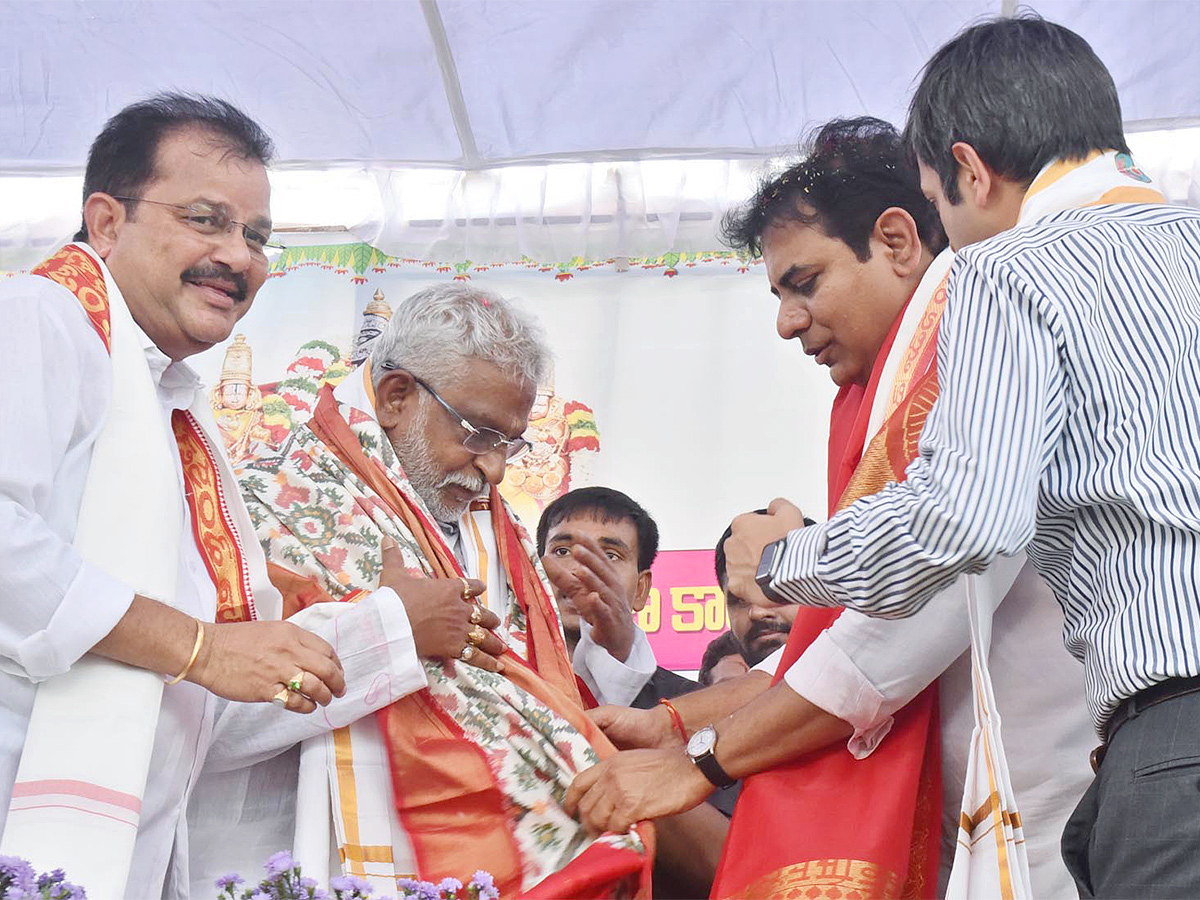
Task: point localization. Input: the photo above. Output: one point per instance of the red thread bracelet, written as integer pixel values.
(676, 719)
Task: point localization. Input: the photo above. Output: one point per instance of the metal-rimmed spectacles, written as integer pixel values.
(478, 440)
(212, 220)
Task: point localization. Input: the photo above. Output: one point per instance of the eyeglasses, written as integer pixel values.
(478, 440)
(211, 221)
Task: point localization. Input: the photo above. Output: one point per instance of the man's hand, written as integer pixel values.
(443, 614)
(253, 661)
(631, 728)
(591, 584)
(751, 534)
(635, 785)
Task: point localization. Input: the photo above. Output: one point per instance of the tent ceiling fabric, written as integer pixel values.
(558, 129)
(360, 81)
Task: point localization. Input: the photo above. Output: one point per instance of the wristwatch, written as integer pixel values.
(768, 565)
(700, 748)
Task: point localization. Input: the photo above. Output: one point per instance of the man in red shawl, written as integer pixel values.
(850, 244)
(467, 771)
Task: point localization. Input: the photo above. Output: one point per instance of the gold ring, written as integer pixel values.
(476, 635)
(467, 653)
(281, 698)
(466, 594)
(297, 682)
(476, 614)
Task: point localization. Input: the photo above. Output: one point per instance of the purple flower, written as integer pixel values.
(349, 884)
(484, 885)
(229, 882)
(62, 890)
(17, 873)
(279, 863)
(450, 886)
(408, 886)
(261, 895)
(427, 890)
(47, 881)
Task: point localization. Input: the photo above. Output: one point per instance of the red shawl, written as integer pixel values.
(827, 824)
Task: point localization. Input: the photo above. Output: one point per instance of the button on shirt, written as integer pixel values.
(53, 605)
(1068, 424)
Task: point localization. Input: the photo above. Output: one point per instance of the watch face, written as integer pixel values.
(702, 741)
(766, 562)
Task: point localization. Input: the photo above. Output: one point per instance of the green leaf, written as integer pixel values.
(360, 257)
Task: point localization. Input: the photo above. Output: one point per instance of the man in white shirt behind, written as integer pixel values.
(599, 589)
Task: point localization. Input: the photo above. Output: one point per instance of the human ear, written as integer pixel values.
(897, 232)
(642, 594)
(104, 215)
(394, 395)
(975, 179)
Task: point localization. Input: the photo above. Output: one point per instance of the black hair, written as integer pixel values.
(854, 169)
(605, 505)
(121, 160)
(718, 648)
(1022, 91)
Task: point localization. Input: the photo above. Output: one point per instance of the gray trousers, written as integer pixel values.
(1136, 832)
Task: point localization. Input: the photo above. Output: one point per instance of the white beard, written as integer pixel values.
(412, 450)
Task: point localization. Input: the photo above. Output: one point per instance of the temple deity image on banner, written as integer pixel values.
(564, 442)
(375, 317)
(237, 404)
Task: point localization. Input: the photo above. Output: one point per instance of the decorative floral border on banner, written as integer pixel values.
(357, 260)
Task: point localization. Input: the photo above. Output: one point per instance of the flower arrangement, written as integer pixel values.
(18, 881)
(284, 881)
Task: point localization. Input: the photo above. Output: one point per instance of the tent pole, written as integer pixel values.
(451, 83)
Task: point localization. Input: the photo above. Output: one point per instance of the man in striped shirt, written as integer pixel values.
(1068, 425)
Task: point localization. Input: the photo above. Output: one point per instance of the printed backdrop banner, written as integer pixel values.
(669, 384)
(685, 610)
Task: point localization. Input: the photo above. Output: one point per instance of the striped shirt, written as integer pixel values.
(1068, 425)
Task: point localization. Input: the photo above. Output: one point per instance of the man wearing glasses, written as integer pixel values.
(122, 529)
(399, 466)
(121, 566)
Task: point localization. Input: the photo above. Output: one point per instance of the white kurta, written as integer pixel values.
(244, 805)
(864, 669)
(53, 605)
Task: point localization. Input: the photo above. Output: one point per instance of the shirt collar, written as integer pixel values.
(176, 382)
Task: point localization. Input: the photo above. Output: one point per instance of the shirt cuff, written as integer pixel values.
(372, 638)
(609, 679)
(826, 677)
(407, 674)
(92, 606)
(796, 578)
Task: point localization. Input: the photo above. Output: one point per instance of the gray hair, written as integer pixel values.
(436, 329)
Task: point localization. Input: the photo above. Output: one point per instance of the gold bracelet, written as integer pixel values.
(195, 652)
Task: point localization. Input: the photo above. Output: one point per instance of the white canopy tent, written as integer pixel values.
(452, 129)
(451, 135)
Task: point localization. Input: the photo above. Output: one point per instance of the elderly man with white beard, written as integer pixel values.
(465, 768)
